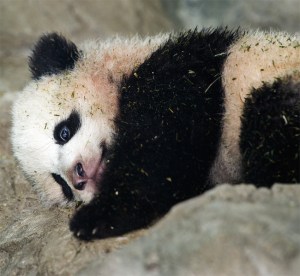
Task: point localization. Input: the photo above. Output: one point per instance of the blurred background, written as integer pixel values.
(23, 21)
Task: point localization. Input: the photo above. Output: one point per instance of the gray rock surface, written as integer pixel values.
(265, 14)
(228, 231)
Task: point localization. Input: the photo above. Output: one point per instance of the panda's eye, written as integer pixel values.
(67, 128)
(65, 134)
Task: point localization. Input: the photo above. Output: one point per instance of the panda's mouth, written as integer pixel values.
(67, 191)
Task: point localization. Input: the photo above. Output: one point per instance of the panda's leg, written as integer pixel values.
(270, 133)
(106, 217)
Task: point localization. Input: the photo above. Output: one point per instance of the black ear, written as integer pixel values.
(52, 54)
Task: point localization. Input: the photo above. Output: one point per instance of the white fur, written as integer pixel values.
(255, 58)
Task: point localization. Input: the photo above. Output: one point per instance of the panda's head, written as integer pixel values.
(63, 121)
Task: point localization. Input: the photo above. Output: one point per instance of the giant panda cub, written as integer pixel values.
(131, 127)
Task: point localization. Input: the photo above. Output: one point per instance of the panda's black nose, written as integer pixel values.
(79, 170)
(80, 186)
(79, 177)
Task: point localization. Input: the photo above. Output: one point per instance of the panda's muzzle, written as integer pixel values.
(86, 174)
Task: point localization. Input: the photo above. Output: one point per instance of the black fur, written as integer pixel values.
(168, 133)
(270, 134)
(64, 186)
(51, 55)
(72, 123)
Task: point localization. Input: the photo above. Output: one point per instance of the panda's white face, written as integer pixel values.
(60, 134)
(63, 120)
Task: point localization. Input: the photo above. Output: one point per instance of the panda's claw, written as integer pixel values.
(94, 232)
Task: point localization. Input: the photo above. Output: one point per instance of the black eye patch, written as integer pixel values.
(66, 129)
(64, 186)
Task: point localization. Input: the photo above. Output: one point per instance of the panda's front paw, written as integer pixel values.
(91, 222)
